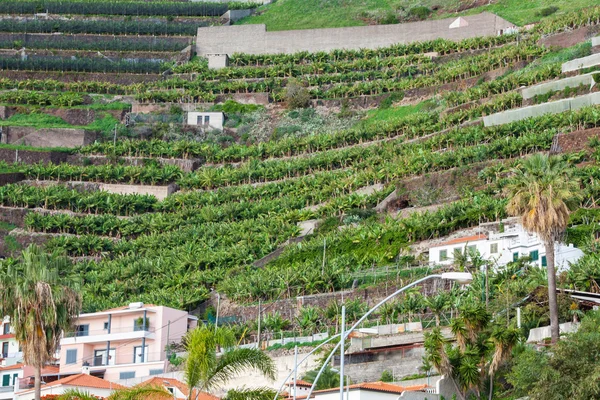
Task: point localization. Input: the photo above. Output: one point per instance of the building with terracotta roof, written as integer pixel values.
(9, 379)
(10, 353)
(91, 384)
(123, 343)
(503, 243)
(366, 391)
(178, 389)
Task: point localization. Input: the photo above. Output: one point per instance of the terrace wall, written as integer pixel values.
(576, 141)
(554, 107)
(184, 164)
(73, 116)
(580, 63)
(119, 79)
(11, 177)
(31, 156)
(558, 85)
(47, 137)
(254, 39)
(160, 192)
(146, 108)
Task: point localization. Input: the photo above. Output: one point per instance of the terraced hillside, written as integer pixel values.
(365, 123)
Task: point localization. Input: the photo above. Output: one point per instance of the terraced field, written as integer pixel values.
(240, 197)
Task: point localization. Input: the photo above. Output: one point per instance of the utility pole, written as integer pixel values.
(258, 341)
(295, 369)
(342, 351)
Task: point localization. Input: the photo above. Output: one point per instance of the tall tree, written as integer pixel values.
(42, 299)
(206, 371)
(543, 193)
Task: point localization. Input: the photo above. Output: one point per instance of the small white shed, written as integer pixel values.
(208, 120)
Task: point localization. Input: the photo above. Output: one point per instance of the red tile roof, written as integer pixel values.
(463, 240)
(299, 382)
(380, 387)
(167, 382)
(127, 308)
(16, 366)
(83, 380)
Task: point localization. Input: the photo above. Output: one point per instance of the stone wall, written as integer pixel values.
(11, 177)
(580, 63)
(569, 38)
(145, 108)
(73, 116)
(289, 307)
(184, 164)
(31, 156)
(47, 137)
(576, 141)
(119, 79)
(245, 98)
(554, 107)
(558, 85)
(254, 39)
(14, 215)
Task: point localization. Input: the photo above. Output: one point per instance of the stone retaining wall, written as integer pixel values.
(184, 164)
(255, 39)
(47, 137)
(11, 177)
(554, 107)
(32, 156)
(160, 192)
(14, 215)
(145, 108)
(558, 85)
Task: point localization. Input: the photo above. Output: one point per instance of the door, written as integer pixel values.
(137, 354)
(100, 357)
(5, 350)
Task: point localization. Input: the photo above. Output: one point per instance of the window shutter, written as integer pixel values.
(71, 356)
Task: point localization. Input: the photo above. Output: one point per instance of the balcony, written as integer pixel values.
(102, 335)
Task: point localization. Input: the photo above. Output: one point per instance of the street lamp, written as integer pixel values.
(459, 277)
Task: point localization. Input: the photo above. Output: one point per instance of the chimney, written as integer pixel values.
(85, 370)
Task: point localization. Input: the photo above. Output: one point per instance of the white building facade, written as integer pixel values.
(207, 120)
(502, 246)
(9, 381)
(10, 353)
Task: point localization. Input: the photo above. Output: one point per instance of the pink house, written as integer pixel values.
(123, 343)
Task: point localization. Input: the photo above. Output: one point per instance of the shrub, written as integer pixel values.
(389, 19)
(391, 99)
(420, 13)
(296, 95)
(386, 376)
(544, 12)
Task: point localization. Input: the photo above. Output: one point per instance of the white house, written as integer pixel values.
(178, 389)
(503, 246)
(87, 383)
(366, 391)
(208, 120)
(10, 353)
(9, 381)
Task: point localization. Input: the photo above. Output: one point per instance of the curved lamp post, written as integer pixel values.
(459, 277)
(301, 361)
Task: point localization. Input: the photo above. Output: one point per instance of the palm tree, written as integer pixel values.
(42, 300)
(205, 371)
(133, 393)
(437, 304)
(544, 193)
(329, 378)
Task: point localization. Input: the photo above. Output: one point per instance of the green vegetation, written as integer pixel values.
(307, 14)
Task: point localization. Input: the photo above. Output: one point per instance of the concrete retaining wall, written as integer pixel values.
(244, 98)
(554, 107)
(145, 108)
(183, 164)
(160, 192)
(580, 63)
(236, 15)
(536, 335)
(558, 85)
(254, 39)
(596, 41)
(47, 137)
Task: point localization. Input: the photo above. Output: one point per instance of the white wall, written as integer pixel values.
(215, 119)
(557, 85)
(7, 392)
(358, 394)
(60, 389)
(513, 240)
(580, 63)
(596, 41)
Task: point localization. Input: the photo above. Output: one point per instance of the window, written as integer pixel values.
(457, 252)
(515, 257)
(544, 261)
(494, 248)
(140, 325)
(83, 330)
(127, 375)
(5, 350)
(156, 371)
(171, 390)
(443, 255)
(106, 326)
(100, 357)
(15, 377)
(71, 356)
(6, 329)
(534, 255)
(206, 119)
(6, 380)
(471, 249)
(137, 354)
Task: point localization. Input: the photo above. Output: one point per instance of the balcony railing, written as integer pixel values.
(100, 361)
(97, 332)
